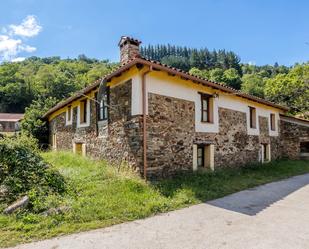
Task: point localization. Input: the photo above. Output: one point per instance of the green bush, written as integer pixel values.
(23, 171)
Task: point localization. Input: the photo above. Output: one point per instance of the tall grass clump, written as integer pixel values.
(24, 172)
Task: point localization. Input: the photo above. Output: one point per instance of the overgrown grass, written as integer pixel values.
(99, 196)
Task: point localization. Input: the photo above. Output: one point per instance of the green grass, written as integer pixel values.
(99, 196)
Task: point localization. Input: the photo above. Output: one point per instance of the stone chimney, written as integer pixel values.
(129, 49)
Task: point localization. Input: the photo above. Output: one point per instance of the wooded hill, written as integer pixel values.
(52, 79)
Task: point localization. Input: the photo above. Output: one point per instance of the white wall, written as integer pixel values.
(184, 90)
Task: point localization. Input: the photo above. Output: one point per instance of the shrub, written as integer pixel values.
(23, 171)
(33, 123)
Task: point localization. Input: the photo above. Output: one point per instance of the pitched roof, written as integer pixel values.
(292, 118)
(172, 70)
(11, 117)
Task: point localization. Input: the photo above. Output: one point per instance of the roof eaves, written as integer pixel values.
(167, 68)
(90, 87)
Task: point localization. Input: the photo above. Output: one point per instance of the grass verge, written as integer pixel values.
(99, 196)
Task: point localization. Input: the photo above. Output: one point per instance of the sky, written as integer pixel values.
(259, 31)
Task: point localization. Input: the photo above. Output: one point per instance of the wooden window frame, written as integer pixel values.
(201, 147)
(104, 107)
(272, 121)
(69, 113)
(266, 152)
(84, 115)
(209, 110)
(252, 117)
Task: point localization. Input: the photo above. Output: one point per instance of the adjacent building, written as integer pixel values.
(9, 122)
(162, 120)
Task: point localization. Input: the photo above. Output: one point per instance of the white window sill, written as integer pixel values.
(83, 125)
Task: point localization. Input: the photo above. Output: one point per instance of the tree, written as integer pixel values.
(23, 82)
(200, 73)
(291, 89)
(232, 78)
(33, 123)
(177, 62)
(217, 75)
(253, 84)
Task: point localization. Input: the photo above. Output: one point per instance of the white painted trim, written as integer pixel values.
(212, 156)
(54, 141)
(84, 152)
(194, 157)
(67, 122)
(87, 123)
(268, 153)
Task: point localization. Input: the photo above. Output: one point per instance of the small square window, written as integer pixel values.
(203, 156)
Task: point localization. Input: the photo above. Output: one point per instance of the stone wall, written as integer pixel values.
(171, 135)
(118, 139)
(291, 134)
(170, 132)
(233, 145)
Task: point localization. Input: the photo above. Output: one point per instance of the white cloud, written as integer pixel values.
(11, 46)
(28, 28)
(18, 59)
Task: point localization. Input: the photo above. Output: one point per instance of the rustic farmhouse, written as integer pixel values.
(9, 122)
(162, 120)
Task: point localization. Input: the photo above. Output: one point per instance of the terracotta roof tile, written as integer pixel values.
(164, 67)
(13, 117)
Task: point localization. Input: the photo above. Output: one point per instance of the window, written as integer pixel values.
(206, 108)
(200, 156)
(102, 108)
(79, 148)
(272, 122)
(265, 152)
(203, 156)
(252, 111)
(69, 113)
(83, 111)
(54, 141)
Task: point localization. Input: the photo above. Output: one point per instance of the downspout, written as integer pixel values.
(144, 96)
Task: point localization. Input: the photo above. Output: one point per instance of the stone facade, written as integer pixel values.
(291, 136)
(170, 128)
(116, 139)
(234, 147)
(171, 135)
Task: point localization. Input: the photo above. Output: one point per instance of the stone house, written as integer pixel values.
(9, 122)
(162, 120)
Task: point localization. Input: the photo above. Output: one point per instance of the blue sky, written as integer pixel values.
(260, 32)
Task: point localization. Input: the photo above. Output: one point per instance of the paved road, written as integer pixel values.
(275, 215)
